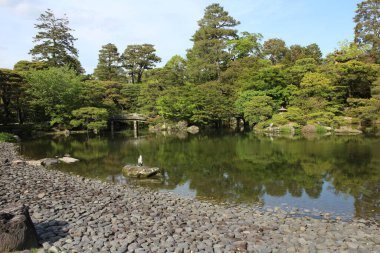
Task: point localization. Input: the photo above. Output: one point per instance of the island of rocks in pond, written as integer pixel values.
(75, 214)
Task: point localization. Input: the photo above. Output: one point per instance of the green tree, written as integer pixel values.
(130, 93)
(367, 110)
(275, 49)
(24, 66)
(248, 44)
(177, 103)
(92, 94)
(174, 71)
(137, 58)
(316, 93)
(212, 103)
(299, 69)
(54, 92)
(240, 71)
(296, 52)
(91, 118)
(313, 51)
(54, 42)
(11, 92)
(355, 78)
(208, 56)
(367, 29)
(348, 51)
(113, 97)
(147, 100)
(108, 68)
(259, 108)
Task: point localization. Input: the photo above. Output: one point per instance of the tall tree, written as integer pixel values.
(208, 56)
(54, 42)
(10, 95)
(296, 52)
(108, 64)
(313, 51)
(137, 58)
(275, 49)
(367, 29)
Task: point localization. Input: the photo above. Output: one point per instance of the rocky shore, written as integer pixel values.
(74, 214)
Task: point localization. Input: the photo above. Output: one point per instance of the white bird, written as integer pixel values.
(140, 161)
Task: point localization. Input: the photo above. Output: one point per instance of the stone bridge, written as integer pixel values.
(135, 117)
(129, 117)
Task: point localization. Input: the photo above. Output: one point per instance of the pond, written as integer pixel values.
(335, 174)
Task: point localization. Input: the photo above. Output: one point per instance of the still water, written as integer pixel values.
(335, 174)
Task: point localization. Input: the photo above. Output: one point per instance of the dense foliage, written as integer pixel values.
(227, 77)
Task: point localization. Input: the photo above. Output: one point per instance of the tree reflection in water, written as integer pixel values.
(230, 167)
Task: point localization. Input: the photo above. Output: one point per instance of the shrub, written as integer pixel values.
(320, 118)
(7, 137)
(321, 129)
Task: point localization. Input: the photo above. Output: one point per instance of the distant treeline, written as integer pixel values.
(226, 75)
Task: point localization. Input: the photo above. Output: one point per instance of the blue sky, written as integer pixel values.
(169, 24)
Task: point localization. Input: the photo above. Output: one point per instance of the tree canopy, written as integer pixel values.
(367, 28)
(108, 67)
(208, 56)
(137, 58)
(54, 42)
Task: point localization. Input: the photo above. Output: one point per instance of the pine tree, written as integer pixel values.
(55, 43)
(367, 29)
(137, 58)
(209, 56)
(108, 66)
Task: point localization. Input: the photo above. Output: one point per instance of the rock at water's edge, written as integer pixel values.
(34, 162)
(17, 231)
(17, 162)
(193, 129)
(49, 161)
(68, 159)
(140, 171)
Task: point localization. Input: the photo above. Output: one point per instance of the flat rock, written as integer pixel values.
(17, 162)
(67, 159)
(49, 161)
(140, 171)
(34, 162)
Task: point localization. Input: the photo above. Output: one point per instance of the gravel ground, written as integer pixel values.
(74, 214)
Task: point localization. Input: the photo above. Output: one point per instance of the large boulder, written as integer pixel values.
(193, 129)
(181, 125)
(309, 129)
(140, 171)
(17, 231)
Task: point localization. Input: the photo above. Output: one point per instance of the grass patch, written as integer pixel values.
(285, 130)
(320, 129)
(7, 137)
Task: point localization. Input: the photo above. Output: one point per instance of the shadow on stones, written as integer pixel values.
(52, 231)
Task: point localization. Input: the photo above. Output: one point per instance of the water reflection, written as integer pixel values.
(335, 174)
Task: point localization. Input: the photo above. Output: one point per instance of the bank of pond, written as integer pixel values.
(316, 175)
